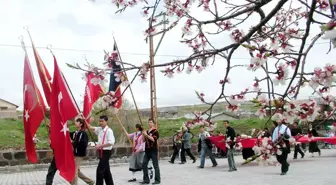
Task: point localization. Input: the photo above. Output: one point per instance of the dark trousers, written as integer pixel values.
(103, 169)
(183, 157)
(297, 150)
(51, 172)
(282, 159)
(303, 145)
(151, 154)
(175, 153)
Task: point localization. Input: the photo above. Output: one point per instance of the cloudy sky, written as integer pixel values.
(76, 28)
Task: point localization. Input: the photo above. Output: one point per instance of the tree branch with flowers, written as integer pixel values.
(269, 41)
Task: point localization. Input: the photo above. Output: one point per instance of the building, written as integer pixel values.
(7, 109)
(165, 112)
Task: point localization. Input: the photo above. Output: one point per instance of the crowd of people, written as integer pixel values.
(145, 148)
(280, 133)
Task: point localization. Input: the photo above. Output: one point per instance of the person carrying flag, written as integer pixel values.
(80, 141)
(104, 146)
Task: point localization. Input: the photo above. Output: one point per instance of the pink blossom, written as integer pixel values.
(189, 69)
(261, 113)
(282, 75)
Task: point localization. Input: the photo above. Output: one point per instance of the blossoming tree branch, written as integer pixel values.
(280, 67)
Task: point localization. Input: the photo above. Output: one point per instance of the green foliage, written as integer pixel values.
(12, 133)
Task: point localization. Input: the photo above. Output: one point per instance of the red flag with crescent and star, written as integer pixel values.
(93, 91)
(33, 110)
(43, 73)
(62, 109)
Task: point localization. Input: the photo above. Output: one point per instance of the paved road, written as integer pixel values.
(307, 171)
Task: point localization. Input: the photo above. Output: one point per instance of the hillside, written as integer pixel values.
(12, 134)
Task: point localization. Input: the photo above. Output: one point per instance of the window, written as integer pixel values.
(3, 108)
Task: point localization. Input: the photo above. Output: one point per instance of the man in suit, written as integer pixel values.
(295, 131)
(230, 139)
(186, 146)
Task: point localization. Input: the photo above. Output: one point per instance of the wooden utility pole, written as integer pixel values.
(153, 102)
(152, 53)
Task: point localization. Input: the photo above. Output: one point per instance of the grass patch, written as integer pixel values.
(12, 133)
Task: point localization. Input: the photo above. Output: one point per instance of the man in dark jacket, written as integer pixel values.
(186, 146)
(296, 131)
(230, 140)
(80, 142)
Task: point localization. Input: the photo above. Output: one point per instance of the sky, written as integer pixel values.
(78, 28)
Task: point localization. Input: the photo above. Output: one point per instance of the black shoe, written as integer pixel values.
(214, 165)
(156, 182)
(182, 163)
(143, 182)
(295, 158)
(319, 153)
(200, 166)
(283, 173)
(132, 180)
(171, 162)
(302, 156)
(194, 160)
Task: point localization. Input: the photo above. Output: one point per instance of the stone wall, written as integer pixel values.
(13, 158)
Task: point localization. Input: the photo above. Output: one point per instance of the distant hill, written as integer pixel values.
(247, 109)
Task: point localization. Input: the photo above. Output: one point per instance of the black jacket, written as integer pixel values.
(207, 142)
(231, 133)
(296, 131)
(80, 142)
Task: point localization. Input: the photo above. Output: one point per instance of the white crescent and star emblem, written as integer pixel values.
(64, 125)
(26, 115)
(65, 128)
(31, 101)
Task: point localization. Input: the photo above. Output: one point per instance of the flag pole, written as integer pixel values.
(119, 121)
(39, 63)
(122, 64)
(66, 82)
(37, 97)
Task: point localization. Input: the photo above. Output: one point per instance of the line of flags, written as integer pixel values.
(62, 109)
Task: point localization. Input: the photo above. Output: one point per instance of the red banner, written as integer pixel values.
(92, 94)
(219, 141)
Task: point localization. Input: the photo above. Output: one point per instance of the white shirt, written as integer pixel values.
(109, 136)
(280, 130)
(205, 134)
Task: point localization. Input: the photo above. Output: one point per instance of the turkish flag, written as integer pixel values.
(43, 73)
(92, 94)
(62, 109)
(33, 110)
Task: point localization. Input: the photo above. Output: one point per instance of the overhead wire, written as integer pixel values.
(123, 53)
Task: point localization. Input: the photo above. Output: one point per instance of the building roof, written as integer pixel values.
(9, 102)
